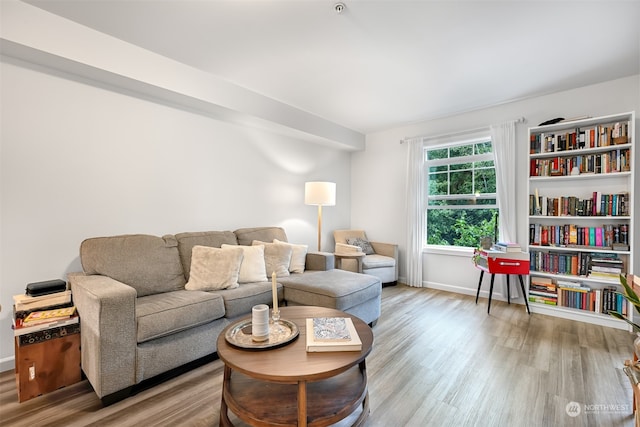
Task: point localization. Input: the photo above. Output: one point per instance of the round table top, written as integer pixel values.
(292, 362)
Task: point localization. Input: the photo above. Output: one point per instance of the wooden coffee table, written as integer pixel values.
(286, 386)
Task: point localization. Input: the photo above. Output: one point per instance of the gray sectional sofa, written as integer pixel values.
(140, 317)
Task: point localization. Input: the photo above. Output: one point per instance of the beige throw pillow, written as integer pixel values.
(276, 258)
(214, 268)
(298, 256)
(252, 268)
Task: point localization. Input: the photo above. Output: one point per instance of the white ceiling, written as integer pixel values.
(381, 64)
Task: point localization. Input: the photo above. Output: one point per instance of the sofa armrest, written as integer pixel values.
(343, 248)
(386, 249)
(321, 261)
(108, 331)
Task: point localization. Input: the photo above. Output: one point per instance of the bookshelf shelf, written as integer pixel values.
(580, 151)
(576, 249)
(584, 176)
(579, 217)
(578, 168)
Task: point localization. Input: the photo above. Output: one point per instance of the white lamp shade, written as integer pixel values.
(320, 193)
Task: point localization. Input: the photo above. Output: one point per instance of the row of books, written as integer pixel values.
(576, 295)
(609, 236)
(598, 205)
(618, 160)
(603, 267)
(580, 138)
(39, 313)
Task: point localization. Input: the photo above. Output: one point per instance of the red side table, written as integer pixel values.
(497, 262)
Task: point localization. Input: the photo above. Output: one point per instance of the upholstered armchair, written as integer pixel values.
(380, 260)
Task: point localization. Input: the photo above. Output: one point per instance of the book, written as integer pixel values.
(330, 329)
(19, 328)
(45, 316)
(507, 247)
(508, 255)
(332, 344)
(26, 302)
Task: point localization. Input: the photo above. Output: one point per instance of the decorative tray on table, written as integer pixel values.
(239, 335)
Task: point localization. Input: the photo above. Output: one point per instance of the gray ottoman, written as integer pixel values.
(353, 293)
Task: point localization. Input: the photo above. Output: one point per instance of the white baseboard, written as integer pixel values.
(7, 364)
(497, 295)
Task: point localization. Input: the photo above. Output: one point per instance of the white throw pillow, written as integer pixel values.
(252, 268)
(214, 268)
(298, 256)
(276, 258)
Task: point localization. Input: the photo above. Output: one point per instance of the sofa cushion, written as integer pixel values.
(337, 289)
(238, 301)
(164, 314)
(246, 236)
(214, 268)
(277, 257)
(298, 256)
(149, 264)
(214, 239)
(252, 268)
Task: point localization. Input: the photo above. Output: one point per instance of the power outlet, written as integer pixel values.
(32, 372)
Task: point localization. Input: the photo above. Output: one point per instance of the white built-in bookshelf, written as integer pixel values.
(581, 191)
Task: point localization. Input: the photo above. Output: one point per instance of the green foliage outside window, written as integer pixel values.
(462, 204)
(460, 227)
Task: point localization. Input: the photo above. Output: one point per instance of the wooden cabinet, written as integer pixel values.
(581, 219)
(47, 366)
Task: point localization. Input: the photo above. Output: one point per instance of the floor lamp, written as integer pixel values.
(320, 194)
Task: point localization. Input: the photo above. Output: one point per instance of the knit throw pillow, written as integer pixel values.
(362, 244)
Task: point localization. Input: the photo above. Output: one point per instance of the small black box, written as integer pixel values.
(47, 287)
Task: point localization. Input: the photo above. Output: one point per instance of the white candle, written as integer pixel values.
(274, 287)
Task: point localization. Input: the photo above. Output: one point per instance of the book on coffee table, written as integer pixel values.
(332, 334)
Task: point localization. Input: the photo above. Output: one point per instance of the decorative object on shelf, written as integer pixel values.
(486, 242)
(320, 194)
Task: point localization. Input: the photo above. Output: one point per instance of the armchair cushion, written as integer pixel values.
(377, 261)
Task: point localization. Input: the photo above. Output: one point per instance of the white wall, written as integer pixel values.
(378, 174)
(79, 160)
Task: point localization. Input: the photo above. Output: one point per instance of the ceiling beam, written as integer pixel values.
(34, 35)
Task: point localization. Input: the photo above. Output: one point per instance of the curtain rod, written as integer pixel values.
(462, 132)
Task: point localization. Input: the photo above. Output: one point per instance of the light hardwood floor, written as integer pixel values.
(438, 360)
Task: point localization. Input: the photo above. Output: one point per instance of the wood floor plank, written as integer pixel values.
(438, 359)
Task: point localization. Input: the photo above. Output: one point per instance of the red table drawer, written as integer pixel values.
(497, 265)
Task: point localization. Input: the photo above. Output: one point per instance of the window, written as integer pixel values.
(462, 205)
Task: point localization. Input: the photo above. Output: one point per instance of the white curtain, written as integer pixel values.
(503, 139)
(415, 210)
